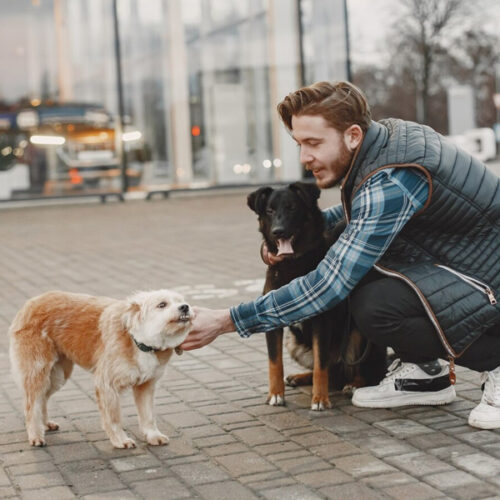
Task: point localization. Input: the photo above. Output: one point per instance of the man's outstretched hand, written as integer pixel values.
(208, 324)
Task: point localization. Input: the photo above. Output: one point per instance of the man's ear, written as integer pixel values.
(308, 192)
(353, 136)
(131, 315)
(257, 200)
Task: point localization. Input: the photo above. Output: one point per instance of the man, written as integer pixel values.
(419, 256)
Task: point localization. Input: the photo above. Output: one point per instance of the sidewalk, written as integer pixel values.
(225, 443)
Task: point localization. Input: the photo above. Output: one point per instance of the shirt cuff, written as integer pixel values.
(245, 317)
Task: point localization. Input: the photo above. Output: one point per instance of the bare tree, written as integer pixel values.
(422, 34)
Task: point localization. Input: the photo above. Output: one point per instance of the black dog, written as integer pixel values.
(292, 223)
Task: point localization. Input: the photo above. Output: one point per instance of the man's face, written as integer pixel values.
(323, 149)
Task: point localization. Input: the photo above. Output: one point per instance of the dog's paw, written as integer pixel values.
(320, 405)
(157, 439)
(349, 389)
(126, 443)
(276, 400)
(51, 426)
(38, 441)
(299, 379)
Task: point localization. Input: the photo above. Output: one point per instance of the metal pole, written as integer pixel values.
(121, 108)
(302, 68)
(347, 44)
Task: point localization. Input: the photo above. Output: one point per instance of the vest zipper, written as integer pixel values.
(478, 285)
(427, 307)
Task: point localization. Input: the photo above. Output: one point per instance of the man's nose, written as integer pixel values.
(305, 156)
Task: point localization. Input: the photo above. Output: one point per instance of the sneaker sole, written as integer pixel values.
(410, 399)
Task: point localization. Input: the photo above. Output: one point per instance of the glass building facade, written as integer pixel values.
(200, 80)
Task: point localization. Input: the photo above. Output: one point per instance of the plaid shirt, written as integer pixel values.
(380, 209)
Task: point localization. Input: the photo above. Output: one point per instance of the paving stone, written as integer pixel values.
(226, 490)
(276, 448)
(8, 492)
(296, 492)
(402, 428)
(334, 450)
(284, 420)
(55, 493)
(415, 491)
(134, 462)
(387, 480)
(477, 438)
(43, 480)
(74, 451)
(118, 495)
(342, 424)
(480, 464)
(320, 478)
(226, 449)
(451, 479)
(447, 452)
(352, 491)
(316, 438)
(419, 464)
(258, 435)
(199, 473)
(167, 488)
(382, 446)
(244, 463)
(432, 440)
(476, 490)
(36, 467)
(362, 465)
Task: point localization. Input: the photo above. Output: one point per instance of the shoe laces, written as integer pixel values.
(397, 369)
(491, 392)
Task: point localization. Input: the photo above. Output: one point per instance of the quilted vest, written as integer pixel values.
(449, 252)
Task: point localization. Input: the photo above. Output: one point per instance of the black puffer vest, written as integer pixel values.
(449, 252)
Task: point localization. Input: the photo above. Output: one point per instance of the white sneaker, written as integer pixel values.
(408, 384)
(486, 415)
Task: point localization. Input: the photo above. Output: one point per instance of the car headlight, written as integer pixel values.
(47, 140)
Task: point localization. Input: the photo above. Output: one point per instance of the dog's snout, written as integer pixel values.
(184, 308)
(278, 231)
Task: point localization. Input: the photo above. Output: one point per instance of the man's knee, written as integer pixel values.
(379, 309)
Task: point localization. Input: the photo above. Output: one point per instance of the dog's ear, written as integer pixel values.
(309, 193)
(131, 315)
(257, 200)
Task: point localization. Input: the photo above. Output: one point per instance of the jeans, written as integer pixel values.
(389, 313)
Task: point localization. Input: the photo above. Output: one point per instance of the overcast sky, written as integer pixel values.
(369, 21)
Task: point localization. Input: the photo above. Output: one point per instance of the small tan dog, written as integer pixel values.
(124, 343)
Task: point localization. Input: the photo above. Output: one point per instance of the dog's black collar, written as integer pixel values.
(144, 347)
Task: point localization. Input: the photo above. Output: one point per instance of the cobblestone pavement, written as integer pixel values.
(225, 443)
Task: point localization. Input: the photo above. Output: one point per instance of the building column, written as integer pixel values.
(178, 93)
(284, 77)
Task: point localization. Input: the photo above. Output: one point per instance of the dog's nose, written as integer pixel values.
(184, 308)
(278, 231)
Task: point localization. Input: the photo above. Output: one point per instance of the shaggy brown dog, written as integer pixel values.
(124, 343)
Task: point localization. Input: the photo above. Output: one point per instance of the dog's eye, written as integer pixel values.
(161, 305)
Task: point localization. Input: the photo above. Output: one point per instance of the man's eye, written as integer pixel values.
(270, 211)
(161, 305)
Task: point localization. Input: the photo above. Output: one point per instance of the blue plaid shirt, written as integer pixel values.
(380, 209)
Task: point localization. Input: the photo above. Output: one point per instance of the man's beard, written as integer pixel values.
(341, 165)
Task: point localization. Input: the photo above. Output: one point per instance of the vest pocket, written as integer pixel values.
(474, 282)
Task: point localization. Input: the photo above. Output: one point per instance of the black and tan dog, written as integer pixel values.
(292, 223)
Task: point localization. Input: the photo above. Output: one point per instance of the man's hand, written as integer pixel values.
(208, 324)
(268, 257)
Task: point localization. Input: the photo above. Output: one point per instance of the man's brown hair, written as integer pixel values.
(341, 104)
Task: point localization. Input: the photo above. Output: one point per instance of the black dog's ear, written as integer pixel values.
(307, 192)
(257, 200)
